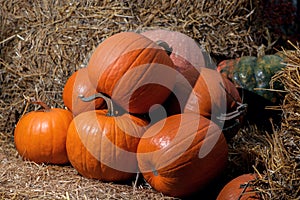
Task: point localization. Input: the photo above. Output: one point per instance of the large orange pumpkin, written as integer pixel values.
(78, 84)
(40, 136)
(102, 145)
(188, 58)
(133, 70)
(239, 189)
(182, 154)
(215, 97)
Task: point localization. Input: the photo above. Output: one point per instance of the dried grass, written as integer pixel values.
(282, 161)
(21, 179)
(275, 156)
(43, 42)
(290, 78)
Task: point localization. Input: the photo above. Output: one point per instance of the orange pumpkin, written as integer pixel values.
(239, 189)
(188, 58)
(133, 70)
(40, 136)
(78, 84)
(215, 97)
(182, 154)
(102, 145)
(187, 55)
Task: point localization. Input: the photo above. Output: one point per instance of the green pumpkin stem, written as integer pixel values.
(165, 46)
(108, 101)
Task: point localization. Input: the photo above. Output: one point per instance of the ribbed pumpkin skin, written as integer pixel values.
(78, 84)
(211, 100)
(186, 54)
(243, 73)
(235, 189)
(188, 58)
(266, 67)
(141, 60)
(174, 167)
(94, 141)
(40, 136)
(249, 72)
(227, 67)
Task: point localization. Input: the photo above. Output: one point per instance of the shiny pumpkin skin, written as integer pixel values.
(188, 58)
(244, 72)
(213, 95)
(186, 53)
(123, 61)
(40, 136)
(98, 145)
(254, 73)
(78, 84)
(267, 66)
(237, 188)
(226, 67)
(171, 161)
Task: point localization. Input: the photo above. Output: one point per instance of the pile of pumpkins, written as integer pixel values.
(146, 103)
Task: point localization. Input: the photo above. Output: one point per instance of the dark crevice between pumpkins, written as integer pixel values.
(231, 120)
(113, 109)
(240, 110)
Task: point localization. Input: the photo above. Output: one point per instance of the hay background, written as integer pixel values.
(43, 42)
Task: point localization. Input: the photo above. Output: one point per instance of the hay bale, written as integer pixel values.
(282, 180)
(275, 156)
(289, 77)
(43, 42)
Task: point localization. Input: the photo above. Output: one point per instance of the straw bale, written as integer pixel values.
(281, 177)
(275, 156)
(21, 179)
(43, 42)
(288, 141)
(290, 79)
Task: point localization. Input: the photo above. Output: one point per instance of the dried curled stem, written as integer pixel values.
(32, 100)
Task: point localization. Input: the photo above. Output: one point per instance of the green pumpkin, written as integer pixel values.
(254, 74)
(266, 67)
(243, 72)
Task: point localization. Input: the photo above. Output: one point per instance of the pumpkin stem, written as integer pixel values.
(39, 102)
(261, 51)
(166, 46)
(108, 101)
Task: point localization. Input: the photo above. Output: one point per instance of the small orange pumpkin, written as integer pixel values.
(182, 154)
(40, 136)
(133, 70)
(78, 84)
(102, 144)
(239, 189)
